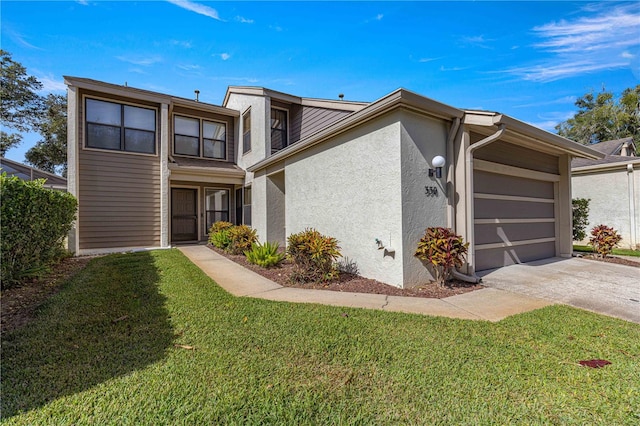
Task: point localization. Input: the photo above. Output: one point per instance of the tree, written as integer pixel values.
(602, 117)
(50, 153)
(20, 104)
(580, 208)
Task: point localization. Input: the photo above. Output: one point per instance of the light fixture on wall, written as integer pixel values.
(437, 163)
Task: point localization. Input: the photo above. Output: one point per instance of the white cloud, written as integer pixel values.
(189, 67)
(197, 8)
(225, 56)
(424, 60)
(244, 20)
(442, 68)
(83, 2)
(50, 84)
(276, 27)
(559, 101)
(142, 61)
(379, 17)
(597, 42)
(180, 43)
(20, 39)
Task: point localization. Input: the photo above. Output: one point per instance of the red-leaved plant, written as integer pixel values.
(443, 249)
(604, 239)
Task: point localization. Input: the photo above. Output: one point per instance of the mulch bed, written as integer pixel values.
(612, 259)
(19, 304)
(354, 283)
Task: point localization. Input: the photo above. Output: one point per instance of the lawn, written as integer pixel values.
(147, 338)
(615, 251)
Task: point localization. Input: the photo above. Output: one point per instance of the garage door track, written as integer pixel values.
(600, 287)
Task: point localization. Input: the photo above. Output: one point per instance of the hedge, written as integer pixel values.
(34, 223)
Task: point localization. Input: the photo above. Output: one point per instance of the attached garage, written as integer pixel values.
(519, 205)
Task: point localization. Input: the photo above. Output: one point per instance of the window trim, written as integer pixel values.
(201, 137)
(244, 114)
(122, 103)
(204, 205)
(287, 113)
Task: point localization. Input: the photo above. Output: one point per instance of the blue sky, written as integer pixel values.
(530, 60)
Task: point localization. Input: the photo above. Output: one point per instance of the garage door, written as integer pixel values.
(514, 215)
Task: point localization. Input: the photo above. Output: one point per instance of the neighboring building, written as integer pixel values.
(24, 172)
(612, 184)
(151, 170)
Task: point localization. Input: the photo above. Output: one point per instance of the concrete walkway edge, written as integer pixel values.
(489, 304)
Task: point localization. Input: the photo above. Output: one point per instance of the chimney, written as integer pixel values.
(197, 92)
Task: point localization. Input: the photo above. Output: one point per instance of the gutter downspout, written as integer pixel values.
(469, 194)
(632, 206)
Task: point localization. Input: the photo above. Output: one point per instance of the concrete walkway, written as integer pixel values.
(489, 304)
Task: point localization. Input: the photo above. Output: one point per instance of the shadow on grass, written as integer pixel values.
(108, 321)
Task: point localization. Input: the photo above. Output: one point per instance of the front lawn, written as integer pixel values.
(615, 251)
(147, 338)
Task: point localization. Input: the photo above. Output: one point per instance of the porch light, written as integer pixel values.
(437, 163)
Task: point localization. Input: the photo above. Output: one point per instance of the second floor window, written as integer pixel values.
(199, 138)
(246, 132)
(119, 127)
(279, 133)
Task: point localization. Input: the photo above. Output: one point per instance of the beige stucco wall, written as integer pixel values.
(609, 191)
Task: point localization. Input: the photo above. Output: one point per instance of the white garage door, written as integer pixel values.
(515, 216)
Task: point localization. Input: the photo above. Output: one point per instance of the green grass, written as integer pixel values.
(617, 251)
(103, 351)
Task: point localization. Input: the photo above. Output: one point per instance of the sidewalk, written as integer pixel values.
(489, 304)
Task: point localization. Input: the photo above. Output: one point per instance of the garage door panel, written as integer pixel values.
(511, 232)
(512, 209)
(492, 183)
(504, 256)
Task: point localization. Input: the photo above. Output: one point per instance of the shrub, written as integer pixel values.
(443, 249)
(35, 221)
(313, 255)
(580, 209)
(604, 239)
(265, 255)
(242, 237)
(348, 266)
(219, 234)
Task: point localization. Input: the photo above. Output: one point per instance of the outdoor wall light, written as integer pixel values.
(437, 163)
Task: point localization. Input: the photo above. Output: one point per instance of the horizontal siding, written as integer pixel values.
(119, 195)
(517, 156)
(306, 120)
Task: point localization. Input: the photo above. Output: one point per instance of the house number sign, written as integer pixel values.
(431, 191)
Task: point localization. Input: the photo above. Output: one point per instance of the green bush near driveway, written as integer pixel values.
(34, 223)
(148, 338)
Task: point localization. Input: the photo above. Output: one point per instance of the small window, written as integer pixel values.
(279, 138)
(246, 132)
(119, 127)
(188, 140)
(246, 208)
(216, 206)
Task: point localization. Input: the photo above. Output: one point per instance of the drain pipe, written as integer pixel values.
(469, 192)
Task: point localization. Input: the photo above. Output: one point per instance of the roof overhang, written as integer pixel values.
(400, 98)
(529, 135)
(634, 162)
(285, 97)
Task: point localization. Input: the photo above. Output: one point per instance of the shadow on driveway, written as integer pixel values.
(600, 287)
(108, 321)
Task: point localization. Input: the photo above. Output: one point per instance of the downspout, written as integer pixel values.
(632, 206)
(469, 195)
(451, 193)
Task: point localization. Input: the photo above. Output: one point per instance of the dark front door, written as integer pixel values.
(184, 214)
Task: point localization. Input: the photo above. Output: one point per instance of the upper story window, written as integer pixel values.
(246, 131)
(279, 134)
(199, 138)
(120, 127)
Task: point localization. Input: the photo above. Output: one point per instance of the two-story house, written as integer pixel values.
(152, 170)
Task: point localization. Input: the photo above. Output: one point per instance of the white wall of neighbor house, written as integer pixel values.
(349, 188)
(424, 199)
(611, 192)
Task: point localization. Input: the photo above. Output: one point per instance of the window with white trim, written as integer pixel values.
(120, 127)
(279, 133)
(199, 138)
(246, 131)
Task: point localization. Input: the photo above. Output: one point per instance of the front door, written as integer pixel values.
(184, 214)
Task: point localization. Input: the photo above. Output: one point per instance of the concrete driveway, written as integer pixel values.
(600, 287)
